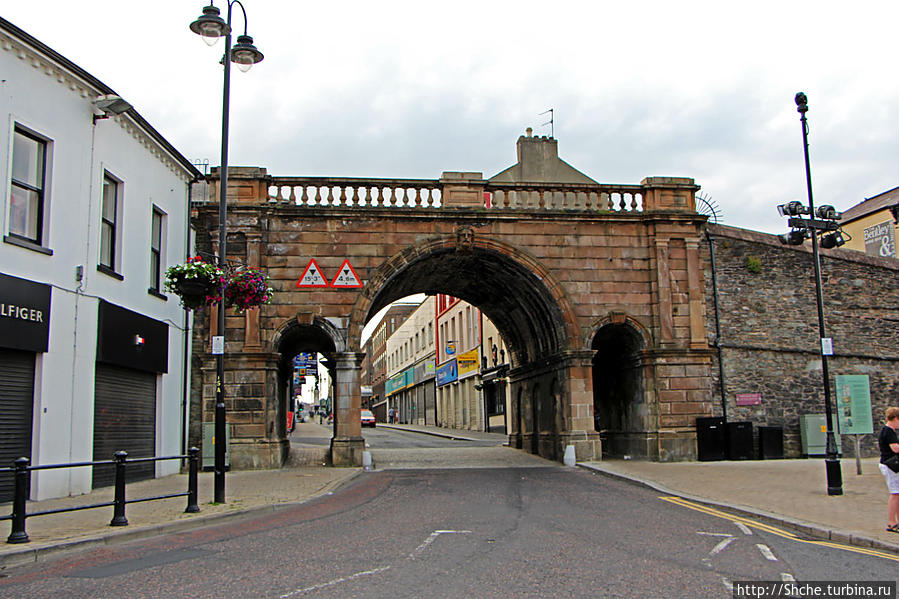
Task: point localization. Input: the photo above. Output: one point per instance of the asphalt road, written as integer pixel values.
(489, 532)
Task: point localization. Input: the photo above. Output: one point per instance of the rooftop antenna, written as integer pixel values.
(550, 122)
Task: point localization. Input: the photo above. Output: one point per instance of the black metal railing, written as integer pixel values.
(21, 471)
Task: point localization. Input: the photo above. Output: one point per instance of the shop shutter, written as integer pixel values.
(16, 407)
(124, 420)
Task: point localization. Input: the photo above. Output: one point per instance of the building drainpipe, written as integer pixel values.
(185, 379)
(436, 357)
(717, 325)
(481, 365)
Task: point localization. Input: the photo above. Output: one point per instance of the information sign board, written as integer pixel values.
(854, 404)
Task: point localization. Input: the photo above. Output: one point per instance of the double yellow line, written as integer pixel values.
(773, 530)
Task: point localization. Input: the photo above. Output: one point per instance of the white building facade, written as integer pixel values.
(94, 355)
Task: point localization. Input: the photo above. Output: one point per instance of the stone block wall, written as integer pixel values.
(769, 329)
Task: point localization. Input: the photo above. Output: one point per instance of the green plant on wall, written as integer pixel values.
(754, 264)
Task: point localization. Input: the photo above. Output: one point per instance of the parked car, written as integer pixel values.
(368, 419)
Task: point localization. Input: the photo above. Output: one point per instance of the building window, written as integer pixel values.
(157, 228)
(109, 222)
(27, 201)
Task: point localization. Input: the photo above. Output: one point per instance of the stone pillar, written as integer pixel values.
(246, 184)
(683, 387)
(526, 418)
(462, 190)
(514, 417)
(252, 340)
(577, 387)
(663, 289)
(698, 338)
(669, 194)
(251, 403)
(347, 445)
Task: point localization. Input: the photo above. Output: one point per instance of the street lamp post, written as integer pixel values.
(211, 27)
(811, 227)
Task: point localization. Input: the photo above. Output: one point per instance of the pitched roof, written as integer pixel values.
(91, 81)
(873, 204)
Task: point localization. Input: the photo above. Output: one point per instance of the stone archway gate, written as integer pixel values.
(549, 264)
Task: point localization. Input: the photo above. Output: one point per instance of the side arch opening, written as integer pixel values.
(621, 412)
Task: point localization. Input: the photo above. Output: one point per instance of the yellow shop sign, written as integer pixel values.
(468, 363)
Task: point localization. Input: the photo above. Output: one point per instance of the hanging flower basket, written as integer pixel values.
(247, 288)
(195, 282)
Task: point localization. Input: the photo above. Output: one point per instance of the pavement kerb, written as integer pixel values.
(29, 555)
(427, 432)
(809, 529)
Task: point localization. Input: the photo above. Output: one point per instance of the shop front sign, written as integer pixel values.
(24, 314)
(447, 373)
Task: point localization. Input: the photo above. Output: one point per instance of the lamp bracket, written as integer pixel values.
(812, 223)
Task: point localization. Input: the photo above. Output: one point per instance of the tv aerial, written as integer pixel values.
(549, 122)
(707, 206)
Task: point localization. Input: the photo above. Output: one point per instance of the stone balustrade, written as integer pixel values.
(355, 192)
(429, 193)
(570, 196)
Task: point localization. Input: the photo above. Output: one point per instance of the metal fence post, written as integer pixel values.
(118, 515)
(193, 461)
(18, 534)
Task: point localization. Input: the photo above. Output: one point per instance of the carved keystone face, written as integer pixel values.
(464, 238)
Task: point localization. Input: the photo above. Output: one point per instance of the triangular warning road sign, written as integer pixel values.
(346, 277)
(312, 276)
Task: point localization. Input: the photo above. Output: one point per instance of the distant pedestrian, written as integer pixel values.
(888, 441)
(390, 415)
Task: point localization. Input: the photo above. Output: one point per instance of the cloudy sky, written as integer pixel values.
(412, 89)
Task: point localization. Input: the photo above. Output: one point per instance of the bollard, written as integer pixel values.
(18, 534)
(569, 459)
(118, 515)
(366, 461)
(193, 458)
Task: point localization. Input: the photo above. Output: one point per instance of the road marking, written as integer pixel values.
(774, 530)
(720, 546)
(714, 534)
(766, 552)
(743, 528)
(787, 577)
(432, 537)
(336, 581)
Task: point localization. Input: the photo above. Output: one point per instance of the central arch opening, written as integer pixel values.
(495, 328)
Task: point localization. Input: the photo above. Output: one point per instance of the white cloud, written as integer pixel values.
(411, 89)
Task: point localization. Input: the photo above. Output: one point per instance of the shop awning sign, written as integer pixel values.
(312, 276)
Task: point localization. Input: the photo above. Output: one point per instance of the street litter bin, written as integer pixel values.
(771, 442)
(739, 440)
(710, 438)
